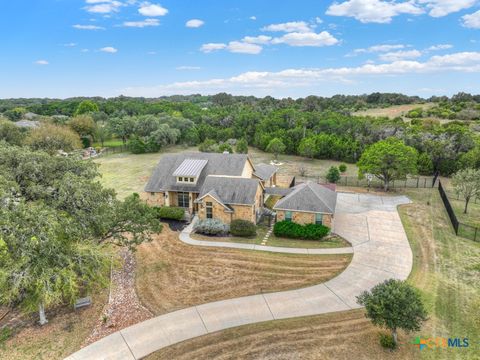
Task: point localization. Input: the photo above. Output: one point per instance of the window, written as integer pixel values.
(209, 210)
(288, 216)
(183, 200)
(318, 219)
(192, 179)
(152, 193)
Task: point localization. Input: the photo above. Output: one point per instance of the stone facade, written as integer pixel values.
(154, 199)
(218, 210)
(303, 218)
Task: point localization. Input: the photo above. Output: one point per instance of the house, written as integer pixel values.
(220, 186)
(308, 203)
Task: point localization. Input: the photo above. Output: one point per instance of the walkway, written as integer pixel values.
(381, 251)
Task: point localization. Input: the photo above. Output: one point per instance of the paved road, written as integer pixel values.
(381, 251)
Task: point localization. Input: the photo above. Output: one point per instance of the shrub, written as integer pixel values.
(333, 175)
(243, 228)
(342, 168)
(168, 212)
(210, 227)
(386, 340)
(293, 230)
(136, 146)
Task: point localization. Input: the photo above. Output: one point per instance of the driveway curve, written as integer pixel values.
(380, 251)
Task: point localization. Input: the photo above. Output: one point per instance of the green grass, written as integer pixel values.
(446, 270)
(109, 143)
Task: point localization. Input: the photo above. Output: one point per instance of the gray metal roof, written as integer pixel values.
(230, 190)
(190, 167)
(309, 197)
(265, 171)
(162, 178)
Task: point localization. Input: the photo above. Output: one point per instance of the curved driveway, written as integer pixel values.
(381, 251)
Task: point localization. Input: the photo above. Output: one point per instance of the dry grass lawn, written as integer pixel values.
(172, 275)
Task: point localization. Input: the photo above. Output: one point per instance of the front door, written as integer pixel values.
(183, 200)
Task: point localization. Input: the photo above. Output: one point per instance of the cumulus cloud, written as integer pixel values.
(400, 55)
(142, 24)
(253, 18)
(210, 47)
(103, 7)
(109, 49)
(88, 27)
(261, 39)
(439, 8)
(307, 39)
(251, 81)
(194, 23)
(472, 20)
(373, 11)
(148, 9)
(292, 26)
(72, 44)
(440, 47)
(244, 48)
(41, 62)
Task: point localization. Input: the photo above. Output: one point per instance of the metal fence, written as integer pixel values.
(417, 182)
(114, 150)
(461, 229)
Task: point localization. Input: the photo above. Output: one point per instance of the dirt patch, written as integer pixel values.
(172, 275)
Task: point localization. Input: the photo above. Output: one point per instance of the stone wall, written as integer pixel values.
(154, 199)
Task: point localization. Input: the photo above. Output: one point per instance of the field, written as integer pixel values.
(128, 173)
(446, 270)
(392, 111)
(172, 275)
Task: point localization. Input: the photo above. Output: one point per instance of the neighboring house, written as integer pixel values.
(267, 174)
(308, 203)
(220, 186)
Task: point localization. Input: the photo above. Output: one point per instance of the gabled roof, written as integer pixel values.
(309, 197)
(230, 190)
(162, 178)
(265, 171)
(190, 167)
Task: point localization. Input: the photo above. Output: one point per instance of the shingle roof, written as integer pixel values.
(310, 197)
(265, 171)
(162, 178)
(231, 190)
(190, 167)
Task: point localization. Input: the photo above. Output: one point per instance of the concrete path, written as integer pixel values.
(381, 251)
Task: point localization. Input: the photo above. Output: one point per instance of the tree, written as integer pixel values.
(276, 146)
(15, 114)
(308, 148)
(388, 160)
(85, 107)
(225, 147)
(242, 146)
(11, 133)
(83, 125)
(394, 304)
(102, 132)
(333, 175)
(467, 184)
(164, 135)
(122, 127)
(208, 145)
(52, 138)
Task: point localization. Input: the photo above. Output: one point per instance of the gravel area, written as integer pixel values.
(123, 308)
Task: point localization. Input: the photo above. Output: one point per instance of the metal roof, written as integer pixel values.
(190, 167)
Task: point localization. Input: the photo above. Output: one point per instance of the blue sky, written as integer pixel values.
(64, 48)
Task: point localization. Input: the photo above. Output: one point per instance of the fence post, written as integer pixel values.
(418, 180)
(475, 236)
(425, 182)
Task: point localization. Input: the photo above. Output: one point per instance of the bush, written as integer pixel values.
(243, 228)
(292, 230)
(210, 227)
(342, 168)
(136, 146)
(168, 212)
(333, 175)
(386, 340)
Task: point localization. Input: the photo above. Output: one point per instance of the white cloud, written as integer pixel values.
(41, 62)
(103, 7)
(307, 39)
(109, 49)
(472, 20)
(440, 47)
(253, 18)
(292, 26)
(142, 24)
(85, 50)
(244, 48)
(439, 8)
(194, 23)
(376, 49)
(376, 11)
(88, 27)
(186, 67)
(151, 53)
(261, 39)
(206, 48)
(400, 55)
(250, 82)
(148, 9)
(72, 44)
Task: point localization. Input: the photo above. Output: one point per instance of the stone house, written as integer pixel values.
(308, 203)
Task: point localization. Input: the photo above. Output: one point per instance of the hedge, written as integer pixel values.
(210, 227)
(169, 212)
(293, 230)
(243, 228)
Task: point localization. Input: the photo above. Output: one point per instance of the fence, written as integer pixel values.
(418, 182)
(461, 229)
(114, 150)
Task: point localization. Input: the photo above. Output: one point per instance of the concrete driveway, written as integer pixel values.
(381, 251)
